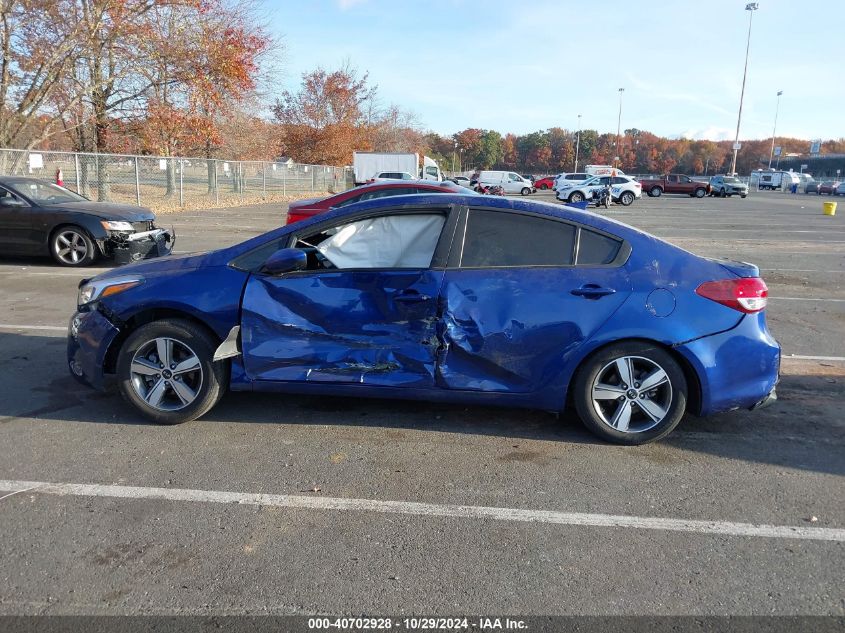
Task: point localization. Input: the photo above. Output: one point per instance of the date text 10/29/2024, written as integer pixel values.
(416, 624)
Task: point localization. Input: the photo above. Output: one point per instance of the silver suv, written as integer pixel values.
(726, 186)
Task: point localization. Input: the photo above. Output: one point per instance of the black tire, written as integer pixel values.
(655, 192)
(576, 196)
(543, 187)
(71, 246)
(742, 196)
(647, 354)
(525, 191)
(723, 193)
(700, 192)
(626, 198)
(213, 376)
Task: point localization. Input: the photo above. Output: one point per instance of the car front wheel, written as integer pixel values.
(71, 246)
(525, 191)
(630, 393)
(700, 192)
(166, 370)
(626, 198)
(576, 197)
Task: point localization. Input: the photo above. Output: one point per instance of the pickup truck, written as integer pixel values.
(675, 183)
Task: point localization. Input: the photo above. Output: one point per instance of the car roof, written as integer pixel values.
(421, 201)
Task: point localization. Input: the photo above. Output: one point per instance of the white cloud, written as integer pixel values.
(348, 4)
(712, 133)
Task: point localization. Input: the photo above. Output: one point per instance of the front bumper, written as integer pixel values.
(132, 247)
(90, 335)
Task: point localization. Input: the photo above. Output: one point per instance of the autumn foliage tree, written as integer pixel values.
(329, 117)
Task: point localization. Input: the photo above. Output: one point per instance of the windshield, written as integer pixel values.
(730, 179)
(42, 192)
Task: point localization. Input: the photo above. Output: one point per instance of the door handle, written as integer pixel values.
(411, 296)
(592, 291)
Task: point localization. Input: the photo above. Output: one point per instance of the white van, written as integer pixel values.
(510, 181)
(603, 170)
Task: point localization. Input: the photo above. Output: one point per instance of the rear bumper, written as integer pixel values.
(769, 400)
(737, 369)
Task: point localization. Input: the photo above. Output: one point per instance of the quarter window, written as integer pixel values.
(496, 239)
(596, 249)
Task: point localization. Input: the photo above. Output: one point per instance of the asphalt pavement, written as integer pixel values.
(302, 505)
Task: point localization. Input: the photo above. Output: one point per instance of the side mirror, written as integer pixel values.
(285, 260)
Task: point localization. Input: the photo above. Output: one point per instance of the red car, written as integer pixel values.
(544, 183)
(828, 187)
(304, 209)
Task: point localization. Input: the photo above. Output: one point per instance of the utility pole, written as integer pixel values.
(618, 128)
(751, 7)
(774, 131)
(577, 143)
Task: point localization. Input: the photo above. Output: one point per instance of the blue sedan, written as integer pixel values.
(447, 298)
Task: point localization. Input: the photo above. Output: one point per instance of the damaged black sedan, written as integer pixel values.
(40, 218)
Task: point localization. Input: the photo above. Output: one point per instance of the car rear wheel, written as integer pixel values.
(700, 192)
(544, 186)
(576, 196)
(655, 192)
(71, 246)
(166, 370)
(630, 393)
(626, 198)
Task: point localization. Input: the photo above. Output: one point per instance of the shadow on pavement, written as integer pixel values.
(803, 430)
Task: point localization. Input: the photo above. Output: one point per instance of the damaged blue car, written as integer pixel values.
(448, 298)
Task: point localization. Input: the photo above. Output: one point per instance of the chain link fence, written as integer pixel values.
(169, 182)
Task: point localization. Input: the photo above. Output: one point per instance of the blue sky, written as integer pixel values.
(525, 66)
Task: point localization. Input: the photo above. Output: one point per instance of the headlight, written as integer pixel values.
(113, 225)
(97, 289)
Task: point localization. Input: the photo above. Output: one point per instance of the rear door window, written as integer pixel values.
(498, 239)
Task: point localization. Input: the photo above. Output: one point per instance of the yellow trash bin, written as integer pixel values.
(829, 208)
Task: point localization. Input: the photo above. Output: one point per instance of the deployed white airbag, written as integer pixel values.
(397, 241)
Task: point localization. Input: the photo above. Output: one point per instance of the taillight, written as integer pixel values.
(296, 217)
(746, 294)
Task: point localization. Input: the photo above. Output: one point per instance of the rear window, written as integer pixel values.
(596, 249)
(496, 239)
(390, 191)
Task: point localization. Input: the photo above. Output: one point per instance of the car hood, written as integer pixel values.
(169, 263)
(109, 210)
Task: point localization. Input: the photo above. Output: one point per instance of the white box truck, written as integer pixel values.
(367, 165)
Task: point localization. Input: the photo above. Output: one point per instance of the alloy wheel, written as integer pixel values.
(71, 247)
(632, 394)
(166, 374)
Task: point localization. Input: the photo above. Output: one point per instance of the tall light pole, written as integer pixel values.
(618, 127)
(751, 7)
(775, 129)
(577, 143)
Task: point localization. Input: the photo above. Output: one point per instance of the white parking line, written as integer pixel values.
(411, 508)
(806, 299)
(801, 357)
(49, 328)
